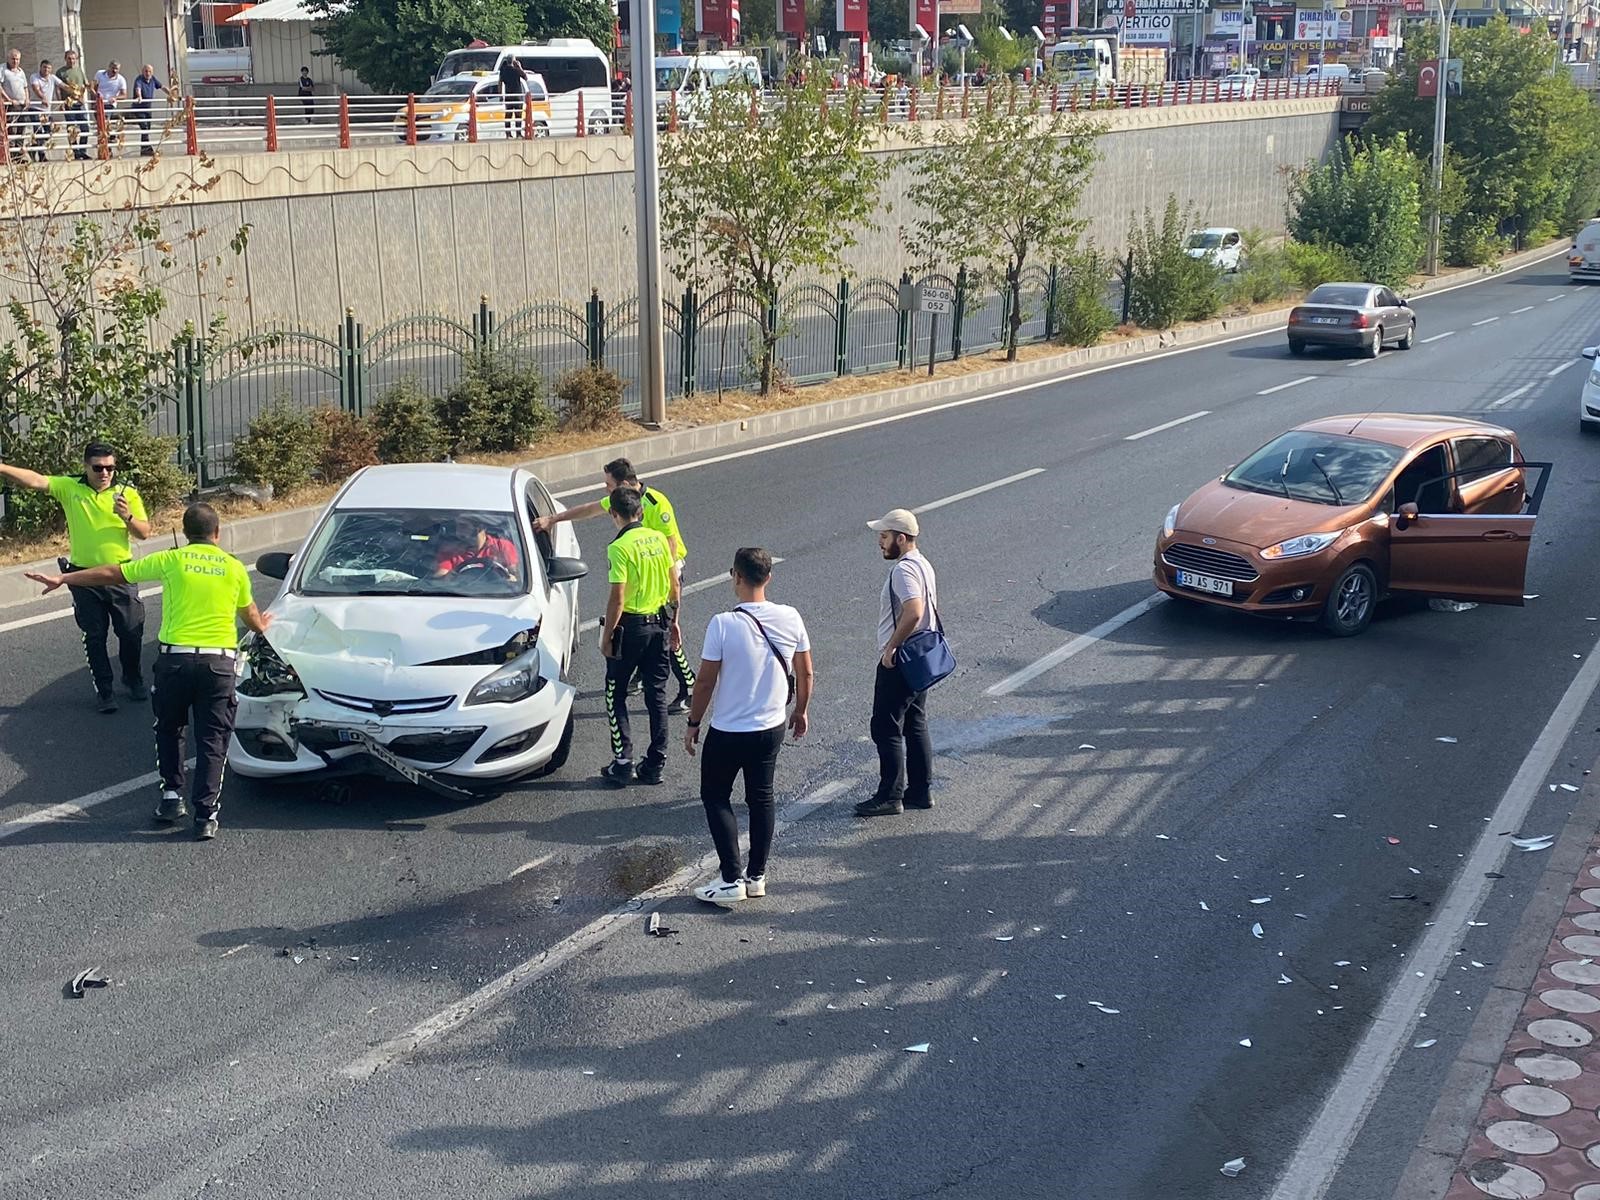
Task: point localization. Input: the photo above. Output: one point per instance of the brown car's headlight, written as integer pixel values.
(1171, 522)
(1299, 547)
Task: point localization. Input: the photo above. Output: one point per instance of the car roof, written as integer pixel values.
(439, 485)
(1217, 229)
(1404, 429)
(1343, 283)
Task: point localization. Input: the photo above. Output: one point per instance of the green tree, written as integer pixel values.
(1522, 137)
(590, 19)
(1366, 202)
(1168, 286)
(395, 45)
(1009, 180)
(748, 206)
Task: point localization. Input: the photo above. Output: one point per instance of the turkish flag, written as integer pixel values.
(1428, 78)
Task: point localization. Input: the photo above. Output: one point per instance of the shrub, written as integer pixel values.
(1168, 285)
(1082, 317)
(591, 398)
(1314, 265)
(1265, 276)
(495, 406)
(1471, 241)
(406, 422)
(347, 443)
(1366, 202)
(281, 448)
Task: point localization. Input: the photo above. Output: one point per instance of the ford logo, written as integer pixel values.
(1209, 541)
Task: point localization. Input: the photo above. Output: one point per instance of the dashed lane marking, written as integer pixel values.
(1510, 396)
(1283, 386)
(1485, 321)
(1554, 371)
(978, 491)
(1076, 646)
(1438, 337)
(1523, 309)
(1144, 433)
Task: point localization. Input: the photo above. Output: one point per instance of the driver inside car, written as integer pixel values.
(473, 542)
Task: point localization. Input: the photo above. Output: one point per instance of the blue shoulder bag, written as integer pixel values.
(924, 658)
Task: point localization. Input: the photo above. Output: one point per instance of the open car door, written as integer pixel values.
(1471, 556)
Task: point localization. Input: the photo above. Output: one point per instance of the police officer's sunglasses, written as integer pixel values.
(97, 468)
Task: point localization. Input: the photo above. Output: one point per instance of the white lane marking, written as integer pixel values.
(1553, 299)
(1485, 321)
(1510, 396)
(1554, 371)
(59, 613)
(1076, 646)
(1523, 309)
(1322, 1150)
(1439, 337)
(688, 589)
(528, 866)
(1283, 386)
(78, 807)
(1162, 428)
(398, 1048)
(978, 491)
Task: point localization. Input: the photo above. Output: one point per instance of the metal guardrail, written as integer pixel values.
(272, 124)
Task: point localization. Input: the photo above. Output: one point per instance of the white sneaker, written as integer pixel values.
(724, 894)
(755, 886)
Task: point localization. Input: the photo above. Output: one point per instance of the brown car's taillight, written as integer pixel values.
(1359, 321)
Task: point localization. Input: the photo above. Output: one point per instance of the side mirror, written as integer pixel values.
(274, 565)
(1406, 514)
(1589, 351)
(564, 570)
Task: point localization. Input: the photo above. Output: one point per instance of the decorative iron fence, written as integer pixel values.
(710, 343)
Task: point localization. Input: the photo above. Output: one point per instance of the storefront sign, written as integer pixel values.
(669, 20)
(1148, 29)
(792, 18)
(1226, 22)
(850, 16)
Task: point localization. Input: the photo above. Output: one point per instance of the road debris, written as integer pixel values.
(1204, 907)
(1567, 787)
(1233, 1168)
(1161, 837)
(1245, 1042)
(1393, 841)
(1009, 937)
(1256, 930)
(1425, 1044)
(656, 929)
(1262, 900)
(1087, 746)
(1542, 842)
(1108, 1011)
(1448, 741)
(90, 978)
(919, 1048)
(1282, 978)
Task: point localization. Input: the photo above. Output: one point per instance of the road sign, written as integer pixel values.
(935, 298)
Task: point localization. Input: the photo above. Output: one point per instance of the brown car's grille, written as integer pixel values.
(1209, 562)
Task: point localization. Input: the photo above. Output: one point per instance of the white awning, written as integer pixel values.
(275, 10)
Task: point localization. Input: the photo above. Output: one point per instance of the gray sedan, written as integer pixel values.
(1365, 316)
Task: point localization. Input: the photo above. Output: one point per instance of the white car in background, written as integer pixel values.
(1589, 398)
(1241, 85)
(1223, 248)
(424, 632)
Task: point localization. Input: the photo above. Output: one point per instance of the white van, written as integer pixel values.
(689, 79)
(569, 67)
(1320, 71)
(1583, 260)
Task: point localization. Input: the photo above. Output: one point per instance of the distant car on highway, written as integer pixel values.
(442, 110)
(1358, 316)
(1238, 86)
(1589, 398)
(1223, 248)
(1583, 260)
(424, 632)
(1326, 519)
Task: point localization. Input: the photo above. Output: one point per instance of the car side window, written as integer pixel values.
(541, 505)
(1422, 483)
(1231, 240)
(1478, 457)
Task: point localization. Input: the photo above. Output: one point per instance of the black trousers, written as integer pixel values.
(197, 688)
(722, 757)
(640, 646)
(900, 731)
(98, 610)
(141, 117)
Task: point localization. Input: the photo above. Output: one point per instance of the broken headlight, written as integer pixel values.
(517, 680)
(515, 647)
(269, 675)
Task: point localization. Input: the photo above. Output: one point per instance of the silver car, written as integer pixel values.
(1362, 316)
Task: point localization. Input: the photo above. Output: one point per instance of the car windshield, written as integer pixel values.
(416, 552)
(1074, 56)
(1324, 468)
(1204, 241)
(462, 61)
(452, 87)
(1333, 293)
(669, 79)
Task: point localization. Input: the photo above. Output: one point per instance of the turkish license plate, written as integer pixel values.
(1205, 583)
(352, 736)
(1324, 320)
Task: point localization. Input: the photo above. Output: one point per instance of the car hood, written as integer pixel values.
(387, 634)
(1255, 518)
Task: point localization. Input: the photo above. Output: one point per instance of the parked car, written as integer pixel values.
(1589, 398)
(424, 632)
(684, 82)
(1361, 316)
(1326, 519)
(442, 110)
(1583, 260)
(1239, 85)
(570, 67)
(1222, 248)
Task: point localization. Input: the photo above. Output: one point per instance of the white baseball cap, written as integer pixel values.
(896, 520)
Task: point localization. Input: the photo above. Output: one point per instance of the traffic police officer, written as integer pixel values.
(204, 587)
(657, 514)
(640, 631)
(102, 515)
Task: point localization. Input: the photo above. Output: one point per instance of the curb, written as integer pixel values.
(253, 534)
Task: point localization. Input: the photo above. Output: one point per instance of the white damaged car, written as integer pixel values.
(424, 631)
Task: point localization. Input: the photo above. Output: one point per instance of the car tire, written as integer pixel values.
(1375, 347)
(1351, 601)
(1588, 428)
(1410, 338)
(562, 751)
(1296, 347)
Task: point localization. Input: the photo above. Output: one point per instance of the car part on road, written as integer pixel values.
(1233, 1167)
(90, 978)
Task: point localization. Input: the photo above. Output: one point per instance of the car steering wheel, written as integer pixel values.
(475, 565)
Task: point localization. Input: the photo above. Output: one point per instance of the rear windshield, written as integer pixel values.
(453, 87)
(567, 73)
(465, 62)
(1204, 241)
(1324, 468)
(1332, 293)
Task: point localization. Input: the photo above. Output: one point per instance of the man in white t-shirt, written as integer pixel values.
(749, 657)
(14, 94)
(44, 89)
(899, 715)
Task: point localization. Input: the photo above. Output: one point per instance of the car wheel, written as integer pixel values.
(563, 749)
(1410, 338)
(1296, 347)
(1349, 606)
(1376, 346)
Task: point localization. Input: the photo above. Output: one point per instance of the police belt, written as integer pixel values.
(662, 617)
(212, 651)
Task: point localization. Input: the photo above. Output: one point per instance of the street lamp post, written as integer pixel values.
(1447, 19)
(647, 215)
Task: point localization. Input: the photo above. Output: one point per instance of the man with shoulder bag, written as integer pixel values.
(755, 664)
(912, 656)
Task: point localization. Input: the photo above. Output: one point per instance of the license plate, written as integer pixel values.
(1324, 320)
(1205, 583)
(352, 736)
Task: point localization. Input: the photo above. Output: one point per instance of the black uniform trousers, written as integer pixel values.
(98, 610)
(900, 731)
(197, 688)
(639, 645)
(723, 756)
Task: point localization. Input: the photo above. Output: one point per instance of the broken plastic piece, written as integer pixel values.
(1567, 787)
(1426, 1044)
(1233, 1167)
(1284, 978)
(1256, 930)
(1086, 746)
(1448, 741)
(1204, 907)
(919, 1048)
(90, 978)
(1245, 1042)
(1393, 841)
(1542, 842)
(1451, 605)
(1007, 938)
(1262, 900)
(654, 924)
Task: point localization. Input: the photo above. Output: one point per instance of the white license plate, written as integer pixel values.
(1205, 583)
(1324, 320)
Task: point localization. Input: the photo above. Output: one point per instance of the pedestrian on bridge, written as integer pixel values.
(145, 87)
(103, 515)
(638, 634)
(75, 93)
(204, 589)
(657, 515)
(899, 714)
(755, 664)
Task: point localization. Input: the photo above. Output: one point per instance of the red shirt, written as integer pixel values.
(495, 549)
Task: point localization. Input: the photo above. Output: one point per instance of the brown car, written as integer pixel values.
(1326, 519)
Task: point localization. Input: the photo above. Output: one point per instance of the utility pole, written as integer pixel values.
(647, 215)
(1447, 19)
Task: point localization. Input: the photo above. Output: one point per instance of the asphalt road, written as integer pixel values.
(1113, 817)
